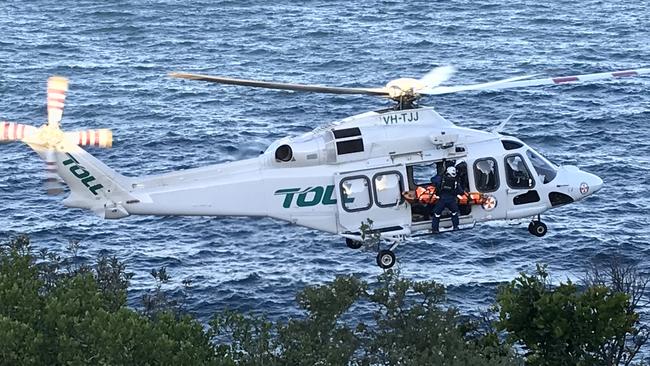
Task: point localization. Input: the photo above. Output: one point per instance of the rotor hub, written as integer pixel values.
(404, 87)
(50, 136)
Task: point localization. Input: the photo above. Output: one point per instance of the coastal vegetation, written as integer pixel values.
(55, 311)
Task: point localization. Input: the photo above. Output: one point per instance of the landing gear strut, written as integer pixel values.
(385, 257)
(537, 227)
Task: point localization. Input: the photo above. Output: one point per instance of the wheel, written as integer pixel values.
(353, 244)
(531, 228)
(386, 259)
(539, 228)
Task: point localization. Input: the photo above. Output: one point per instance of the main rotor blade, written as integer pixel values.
(438, 76)
(282, 86)
(518, 82)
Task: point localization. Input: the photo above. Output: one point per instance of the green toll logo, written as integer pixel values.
(80, 172)
(310, 196)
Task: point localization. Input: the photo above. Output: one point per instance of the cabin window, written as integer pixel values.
(486, 175)
(517, 173)
(544, 169)
(388, 189)
(355, 193)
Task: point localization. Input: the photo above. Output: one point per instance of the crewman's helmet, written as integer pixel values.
(451, 171)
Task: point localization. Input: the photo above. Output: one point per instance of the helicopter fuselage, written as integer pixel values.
(337, 177)
(355, 176)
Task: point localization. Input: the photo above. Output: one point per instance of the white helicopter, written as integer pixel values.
(336, 177)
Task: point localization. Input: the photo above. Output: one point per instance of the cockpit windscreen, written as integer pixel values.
(543, 168)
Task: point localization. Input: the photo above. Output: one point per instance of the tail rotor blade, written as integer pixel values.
(10, 131)
(94, 138)
(57, 87)
(53, 184)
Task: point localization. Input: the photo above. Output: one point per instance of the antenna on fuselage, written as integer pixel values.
(498, 129)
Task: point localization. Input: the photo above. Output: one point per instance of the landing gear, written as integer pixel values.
(537, 227)
(353, 244)
(386, 259)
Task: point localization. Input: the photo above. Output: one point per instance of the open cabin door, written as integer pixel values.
(374, 194)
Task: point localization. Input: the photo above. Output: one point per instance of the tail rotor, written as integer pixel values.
(48, 140)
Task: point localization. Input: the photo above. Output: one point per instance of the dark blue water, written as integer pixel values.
(117, 54)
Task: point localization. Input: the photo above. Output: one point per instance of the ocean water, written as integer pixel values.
(117, 54)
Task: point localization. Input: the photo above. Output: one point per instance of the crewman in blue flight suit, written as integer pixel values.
(448, 188)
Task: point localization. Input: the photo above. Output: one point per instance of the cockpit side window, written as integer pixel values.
(545, 170)
(517, 173)
(486, 175)
(511, 145)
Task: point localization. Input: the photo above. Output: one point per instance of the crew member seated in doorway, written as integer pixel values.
(448, 188)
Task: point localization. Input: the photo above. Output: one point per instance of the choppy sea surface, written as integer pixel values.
(117, 54)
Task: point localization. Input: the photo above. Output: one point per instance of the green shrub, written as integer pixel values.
(79, 317)
(56, 312)
(563, 325)
(407, 325)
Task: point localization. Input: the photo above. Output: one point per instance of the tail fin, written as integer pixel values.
(93, 185)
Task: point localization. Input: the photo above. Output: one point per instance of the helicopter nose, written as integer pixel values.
(589, 184)
(578, 183)
(597, 183)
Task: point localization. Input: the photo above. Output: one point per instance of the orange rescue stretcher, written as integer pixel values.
(427, 196)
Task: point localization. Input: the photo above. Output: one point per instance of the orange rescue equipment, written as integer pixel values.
(426, 196)
(471, 198)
